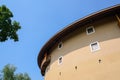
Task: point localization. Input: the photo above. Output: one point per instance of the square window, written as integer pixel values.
(94, 46)
(90, 30)
(60, 60)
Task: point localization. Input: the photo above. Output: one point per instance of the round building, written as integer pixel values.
(88, 49)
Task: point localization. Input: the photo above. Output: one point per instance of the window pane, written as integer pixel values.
(90, 30)
(94, 46)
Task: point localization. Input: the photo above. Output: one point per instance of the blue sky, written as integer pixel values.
(40, 20)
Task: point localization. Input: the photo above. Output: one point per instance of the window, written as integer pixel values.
(90, 30)
(60, 60)
(60, 45)
(94, 46)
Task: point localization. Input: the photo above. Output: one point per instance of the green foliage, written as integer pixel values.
(8, 28)
(22, 77)
(8, 73)
(0, 77)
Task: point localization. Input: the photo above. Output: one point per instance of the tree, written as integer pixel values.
(22, 76)
(8, 73)
(8, 28)
(0, 77)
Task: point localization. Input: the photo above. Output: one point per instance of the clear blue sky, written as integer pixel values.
(40, 20)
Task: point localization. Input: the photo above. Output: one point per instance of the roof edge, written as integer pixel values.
(114, 9)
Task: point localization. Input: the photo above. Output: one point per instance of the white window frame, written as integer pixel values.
(59, 60)
(88, 29)
(61, 45)
(97, 46)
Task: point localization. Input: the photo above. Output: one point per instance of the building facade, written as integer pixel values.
(88, 49)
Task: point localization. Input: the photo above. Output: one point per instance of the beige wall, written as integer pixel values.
(76, 52)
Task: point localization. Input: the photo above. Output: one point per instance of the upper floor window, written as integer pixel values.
(94, 46)
(90, 30)
(60, 45)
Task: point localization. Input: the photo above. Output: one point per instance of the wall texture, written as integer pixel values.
(79, 63)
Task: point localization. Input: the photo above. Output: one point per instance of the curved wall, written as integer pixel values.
(79, 62)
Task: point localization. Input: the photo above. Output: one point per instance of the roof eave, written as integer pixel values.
(105, 12)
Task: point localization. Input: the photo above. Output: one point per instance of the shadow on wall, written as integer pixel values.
(105, 29)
